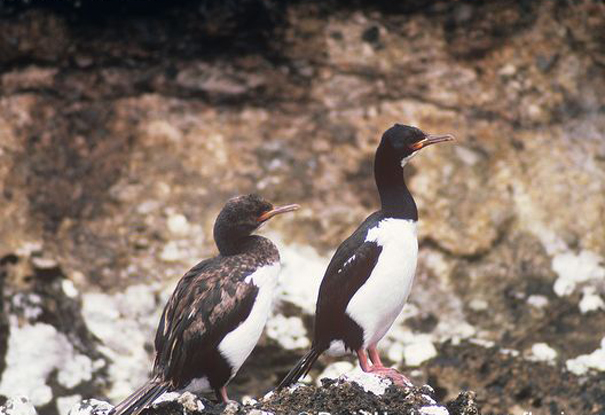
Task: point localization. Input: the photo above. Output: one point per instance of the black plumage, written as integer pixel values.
(210, 301)
(356, 258)
(348, 270)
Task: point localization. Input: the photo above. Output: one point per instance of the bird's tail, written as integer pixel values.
(135, 403)
(301, 369)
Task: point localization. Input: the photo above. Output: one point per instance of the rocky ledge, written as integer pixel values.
(356, 393)
(363, 394)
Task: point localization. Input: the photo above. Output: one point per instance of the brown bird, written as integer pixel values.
(218, 310)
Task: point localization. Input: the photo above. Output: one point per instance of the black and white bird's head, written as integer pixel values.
(243, 215)
(405, 141)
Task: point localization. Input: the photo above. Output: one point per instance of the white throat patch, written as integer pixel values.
(405, 160)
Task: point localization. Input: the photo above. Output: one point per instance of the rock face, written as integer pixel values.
(122, 132)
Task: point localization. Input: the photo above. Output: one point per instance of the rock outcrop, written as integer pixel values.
(356, 394)
(123, 131)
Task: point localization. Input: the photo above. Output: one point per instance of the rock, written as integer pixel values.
(34, 352)
(362, 392)
(119, 142)
(587, 362)
(91, 407)
(347, 394)
(34, 34)
(19, 405)
(32, 77)
(464, 404)
(495, 368)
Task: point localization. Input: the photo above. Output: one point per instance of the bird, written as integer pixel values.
(369, 277)
(218, 309)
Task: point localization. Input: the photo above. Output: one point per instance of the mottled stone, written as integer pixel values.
(120, 140)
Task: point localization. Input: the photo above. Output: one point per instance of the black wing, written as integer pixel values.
(348, 270)
(211, 300)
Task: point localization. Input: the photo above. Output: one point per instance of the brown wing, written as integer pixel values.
(211, 300)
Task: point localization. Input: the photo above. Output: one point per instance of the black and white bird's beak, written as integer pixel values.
(432, 139)
(277, 211)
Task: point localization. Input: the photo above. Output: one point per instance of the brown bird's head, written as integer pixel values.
(241, 216)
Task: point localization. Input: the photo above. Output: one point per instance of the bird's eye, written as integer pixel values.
(397, 143)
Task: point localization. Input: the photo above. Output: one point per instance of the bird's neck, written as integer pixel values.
(227, 246)
(396, 199)
(230, 242)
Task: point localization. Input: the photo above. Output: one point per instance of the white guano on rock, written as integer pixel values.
(34, 351)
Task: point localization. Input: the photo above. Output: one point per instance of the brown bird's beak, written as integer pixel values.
(276, 211)
(432, 139)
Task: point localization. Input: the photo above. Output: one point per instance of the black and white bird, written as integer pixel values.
(370, 276)
(217, 312)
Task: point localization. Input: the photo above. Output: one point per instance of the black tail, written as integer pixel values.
(135, 403)
(301, 369)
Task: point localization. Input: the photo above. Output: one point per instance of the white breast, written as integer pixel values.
(238, 344)
(380, 300)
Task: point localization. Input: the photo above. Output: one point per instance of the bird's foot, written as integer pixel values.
(394, 375)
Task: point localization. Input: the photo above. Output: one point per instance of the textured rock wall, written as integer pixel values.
(121, 134)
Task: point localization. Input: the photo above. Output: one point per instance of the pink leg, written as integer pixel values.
(365, 366)
(374, 356)
(380, 370)
(221, 394)
(363, 360)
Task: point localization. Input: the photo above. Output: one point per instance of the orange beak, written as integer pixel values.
(277, 211)
(432, 139)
